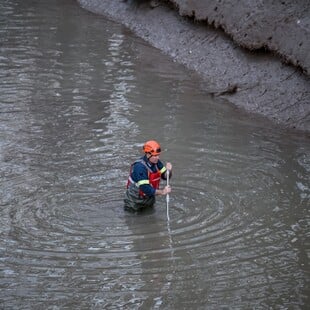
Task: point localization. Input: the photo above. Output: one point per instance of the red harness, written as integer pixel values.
(154, 177)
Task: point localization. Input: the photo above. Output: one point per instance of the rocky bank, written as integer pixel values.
(253, 54)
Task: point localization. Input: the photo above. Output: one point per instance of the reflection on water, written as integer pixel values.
(79, 95)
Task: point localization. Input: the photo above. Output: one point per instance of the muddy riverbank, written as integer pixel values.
(256, 81)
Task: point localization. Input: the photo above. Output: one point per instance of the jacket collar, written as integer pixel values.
(147, 161)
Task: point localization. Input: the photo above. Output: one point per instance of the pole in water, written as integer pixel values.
(167, 197)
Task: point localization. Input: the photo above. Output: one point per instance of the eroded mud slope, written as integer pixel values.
(281, 26)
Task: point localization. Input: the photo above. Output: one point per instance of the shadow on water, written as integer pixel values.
(79, 96)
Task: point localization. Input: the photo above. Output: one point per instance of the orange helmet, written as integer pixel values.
(152, 147)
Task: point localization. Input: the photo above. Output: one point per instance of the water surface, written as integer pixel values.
(79, 96)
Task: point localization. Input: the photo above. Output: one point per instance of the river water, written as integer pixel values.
(79, 96)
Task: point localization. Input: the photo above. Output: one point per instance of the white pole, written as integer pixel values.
(167, 196)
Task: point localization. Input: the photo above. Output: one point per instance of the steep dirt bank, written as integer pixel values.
(256, 81)
(279, 26)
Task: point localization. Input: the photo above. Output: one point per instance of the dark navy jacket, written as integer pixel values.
(139, 172)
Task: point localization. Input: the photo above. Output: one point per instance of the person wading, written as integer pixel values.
(144, 178)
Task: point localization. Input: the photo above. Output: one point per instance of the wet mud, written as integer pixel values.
(254, 65)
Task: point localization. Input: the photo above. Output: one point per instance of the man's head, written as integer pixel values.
(152, 150)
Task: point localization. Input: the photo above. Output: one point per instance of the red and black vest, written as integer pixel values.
(153, 177)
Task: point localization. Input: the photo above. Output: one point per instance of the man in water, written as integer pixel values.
(144, 178)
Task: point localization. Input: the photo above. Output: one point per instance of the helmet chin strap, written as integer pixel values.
(150, 156)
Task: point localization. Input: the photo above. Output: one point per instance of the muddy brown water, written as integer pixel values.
(79, 95)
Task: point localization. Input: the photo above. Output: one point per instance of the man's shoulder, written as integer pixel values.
(160, 164)
(139, 164)
(139, 170)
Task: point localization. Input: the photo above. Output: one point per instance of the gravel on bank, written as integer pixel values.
(255, 81)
